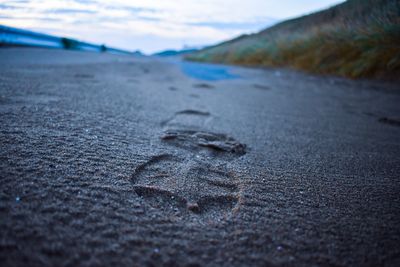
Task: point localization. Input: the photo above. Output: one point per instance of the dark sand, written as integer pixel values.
(117, 161)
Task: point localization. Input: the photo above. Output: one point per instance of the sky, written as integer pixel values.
(152, 25)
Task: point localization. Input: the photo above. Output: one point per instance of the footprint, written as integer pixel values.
(188, 118)
(194, 95)
(203, 86)
(193, 112)
(159, 166)
(84, 76)
(197, 140)
(390, 121)
(262, 87)
(186, 188)
(172, 88)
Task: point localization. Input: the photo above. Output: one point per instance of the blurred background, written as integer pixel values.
(152, 25)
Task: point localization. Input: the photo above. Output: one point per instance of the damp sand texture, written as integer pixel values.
(116, 160)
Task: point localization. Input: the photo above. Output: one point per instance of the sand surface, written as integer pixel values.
(110, 160)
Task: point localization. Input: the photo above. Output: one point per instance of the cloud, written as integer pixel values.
(38, 19)
(152, 24)
(18, 1)
(262, 23)
(85, 1)
(6, 6)
(70, 10)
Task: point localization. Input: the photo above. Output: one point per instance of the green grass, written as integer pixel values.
(359, 38)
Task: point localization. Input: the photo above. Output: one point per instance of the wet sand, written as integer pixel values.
(128, 161)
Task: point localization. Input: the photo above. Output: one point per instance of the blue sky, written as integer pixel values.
(152, 25)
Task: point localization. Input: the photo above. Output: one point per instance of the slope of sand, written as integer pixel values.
(116, 160)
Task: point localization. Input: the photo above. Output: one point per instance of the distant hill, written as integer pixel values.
(358, 38)
(169, 53)
(137, 53)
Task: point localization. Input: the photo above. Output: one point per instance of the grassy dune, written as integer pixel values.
(359, 38)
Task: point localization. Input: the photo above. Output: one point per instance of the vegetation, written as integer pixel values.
(359, 38)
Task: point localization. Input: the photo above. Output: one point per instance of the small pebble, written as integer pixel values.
(193, 207)
(17, 199)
